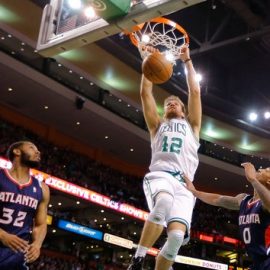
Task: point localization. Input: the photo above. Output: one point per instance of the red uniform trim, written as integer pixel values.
(267, 237)
(16, 182)
(250, 204)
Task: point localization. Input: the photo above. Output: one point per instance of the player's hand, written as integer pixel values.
(184, 52)
(14, 242)
(189, 185)
(149, 49)
(32, 253)
(250, 171)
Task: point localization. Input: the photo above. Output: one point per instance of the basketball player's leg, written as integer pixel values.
(178, 221)
(153, 227)
(165, 259)
(159, 194)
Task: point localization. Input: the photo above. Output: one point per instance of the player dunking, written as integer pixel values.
(254, 213)
(174, 141)
(23, 208)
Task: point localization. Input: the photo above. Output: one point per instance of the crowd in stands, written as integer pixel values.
(215, 220)
(50, 263)
(46, 262)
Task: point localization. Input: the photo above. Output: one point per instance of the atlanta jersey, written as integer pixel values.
(174, 148)
(254, 224)
(18, 205)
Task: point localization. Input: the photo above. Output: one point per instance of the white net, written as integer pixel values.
(164, 37)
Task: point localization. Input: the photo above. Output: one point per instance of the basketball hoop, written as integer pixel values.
(162, 34)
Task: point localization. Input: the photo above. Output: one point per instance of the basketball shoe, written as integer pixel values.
(136, 263)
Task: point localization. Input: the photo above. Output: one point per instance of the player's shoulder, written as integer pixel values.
(186, 121)
(160, 124)
(45, 191)
(162, 121)
(35, 180)
(39, 183)
(44, 186)
(242, 198)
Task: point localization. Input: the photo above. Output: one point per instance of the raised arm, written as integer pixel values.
(40, 226)
(260, 189)
(228, 202)
(194, 92)
(149, 106)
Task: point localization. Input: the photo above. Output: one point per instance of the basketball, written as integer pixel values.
(156, 68)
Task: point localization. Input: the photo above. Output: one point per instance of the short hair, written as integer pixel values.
(172, 97)
(10, 154)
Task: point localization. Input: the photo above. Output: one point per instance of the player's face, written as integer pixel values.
(173, 109)
(263, 175)
(30, 156)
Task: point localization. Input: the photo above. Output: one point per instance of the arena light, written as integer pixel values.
(90, 12)
(7, 15)
(230, 240)
(232, 256)
(253, 116)
(248, 145)
(198, 77)
(212, 131)
(145, 38)
(75, 4)
(149, 2)
(169, 56)
(49, 220)
(267, 115)
(206, 238)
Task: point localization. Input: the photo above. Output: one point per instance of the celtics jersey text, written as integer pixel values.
(174, 148)
(254, 225)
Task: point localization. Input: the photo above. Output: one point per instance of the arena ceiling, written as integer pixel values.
(229, 45)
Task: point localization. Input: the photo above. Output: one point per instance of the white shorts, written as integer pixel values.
(183, 203)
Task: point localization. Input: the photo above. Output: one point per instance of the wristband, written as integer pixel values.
(185, 61)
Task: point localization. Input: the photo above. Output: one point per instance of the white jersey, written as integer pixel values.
(174, 148)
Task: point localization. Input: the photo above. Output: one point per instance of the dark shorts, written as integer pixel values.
(9, 260)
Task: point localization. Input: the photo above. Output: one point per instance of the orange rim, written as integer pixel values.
(157, 20)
